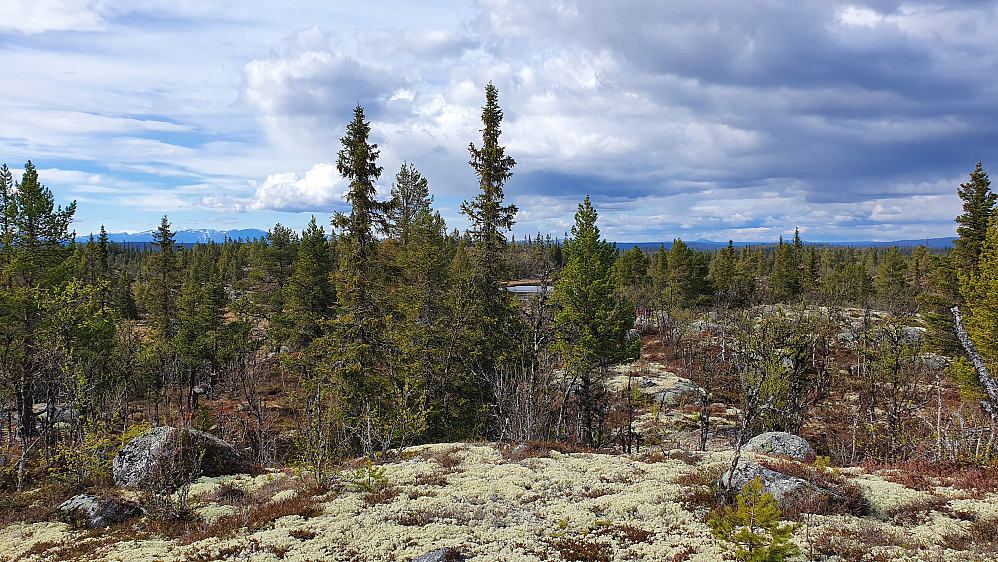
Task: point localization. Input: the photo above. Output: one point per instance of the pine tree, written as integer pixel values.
(753, 529)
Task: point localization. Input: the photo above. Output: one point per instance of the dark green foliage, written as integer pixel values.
(357, 162)
(594, 319)
(162, 285)
(411, 202)
(978, 210)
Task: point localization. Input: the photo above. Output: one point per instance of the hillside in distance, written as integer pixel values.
(205, 235)
(186, 236)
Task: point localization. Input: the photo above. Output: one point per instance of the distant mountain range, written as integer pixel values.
(186, 237)
(205, 235)
(945, 242)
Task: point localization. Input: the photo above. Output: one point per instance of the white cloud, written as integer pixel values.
(38, 16)
(320, 189)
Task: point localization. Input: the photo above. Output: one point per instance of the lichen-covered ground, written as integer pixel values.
(499, 503)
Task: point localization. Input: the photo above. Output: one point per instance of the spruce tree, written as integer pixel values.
(410, 199)
(357, 162)
(162, 272)
(978, 209)
(594, 319)
(490, 219)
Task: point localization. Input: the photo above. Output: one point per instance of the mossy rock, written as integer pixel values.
(167, 457)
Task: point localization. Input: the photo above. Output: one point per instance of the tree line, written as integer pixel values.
(389, 330)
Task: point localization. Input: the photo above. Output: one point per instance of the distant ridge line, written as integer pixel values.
(944, 242)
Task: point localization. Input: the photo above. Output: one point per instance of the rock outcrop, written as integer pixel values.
(776, 483)
(166, 457)
(92, 512)
(780, 444)
(441, 555)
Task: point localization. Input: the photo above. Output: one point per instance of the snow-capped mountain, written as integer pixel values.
(187, 236)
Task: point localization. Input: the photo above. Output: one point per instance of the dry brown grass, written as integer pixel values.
(38, 504)
(251, 516)
(924, 475)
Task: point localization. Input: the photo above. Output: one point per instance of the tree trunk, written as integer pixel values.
(990, 387)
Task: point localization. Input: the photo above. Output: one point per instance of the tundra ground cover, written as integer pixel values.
(492, 505)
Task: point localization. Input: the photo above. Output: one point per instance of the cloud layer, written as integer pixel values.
(702, 120)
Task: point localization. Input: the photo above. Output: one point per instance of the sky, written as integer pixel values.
(704, 120)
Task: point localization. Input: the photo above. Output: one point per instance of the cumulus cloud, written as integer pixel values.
(320, 189)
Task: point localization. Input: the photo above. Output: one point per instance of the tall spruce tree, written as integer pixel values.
(490, 219)
(162, 272)
(944, 280)
(978, 210)
(357, 162)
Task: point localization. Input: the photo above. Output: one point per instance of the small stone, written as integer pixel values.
(442, 555)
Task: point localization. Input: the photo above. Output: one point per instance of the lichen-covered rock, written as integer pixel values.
(166, 457)
(780, 444)
(441, 555)
(89, 511)
(776, 483)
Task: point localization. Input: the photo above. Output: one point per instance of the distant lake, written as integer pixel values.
(527, 289)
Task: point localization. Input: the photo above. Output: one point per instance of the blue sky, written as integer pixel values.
(703, 120)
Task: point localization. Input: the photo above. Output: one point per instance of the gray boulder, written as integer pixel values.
(682, 391)
(776, 483)
(442, 555)
(780, 444)
(166, 457)
(92, 512)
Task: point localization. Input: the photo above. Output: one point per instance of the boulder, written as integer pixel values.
(92, 512)
(780, 444)
(681, 391)
(776, 483)
(166, 457)
(442, 555)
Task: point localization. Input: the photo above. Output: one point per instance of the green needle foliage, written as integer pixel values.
(753, 529)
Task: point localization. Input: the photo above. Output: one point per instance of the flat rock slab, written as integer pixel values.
(166, 457)
(780, 444)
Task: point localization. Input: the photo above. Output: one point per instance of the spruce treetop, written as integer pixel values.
(489, 217)
(357, 162)
(978, 209)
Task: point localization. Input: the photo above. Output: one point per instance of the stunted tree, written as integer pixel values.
(593, 323)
